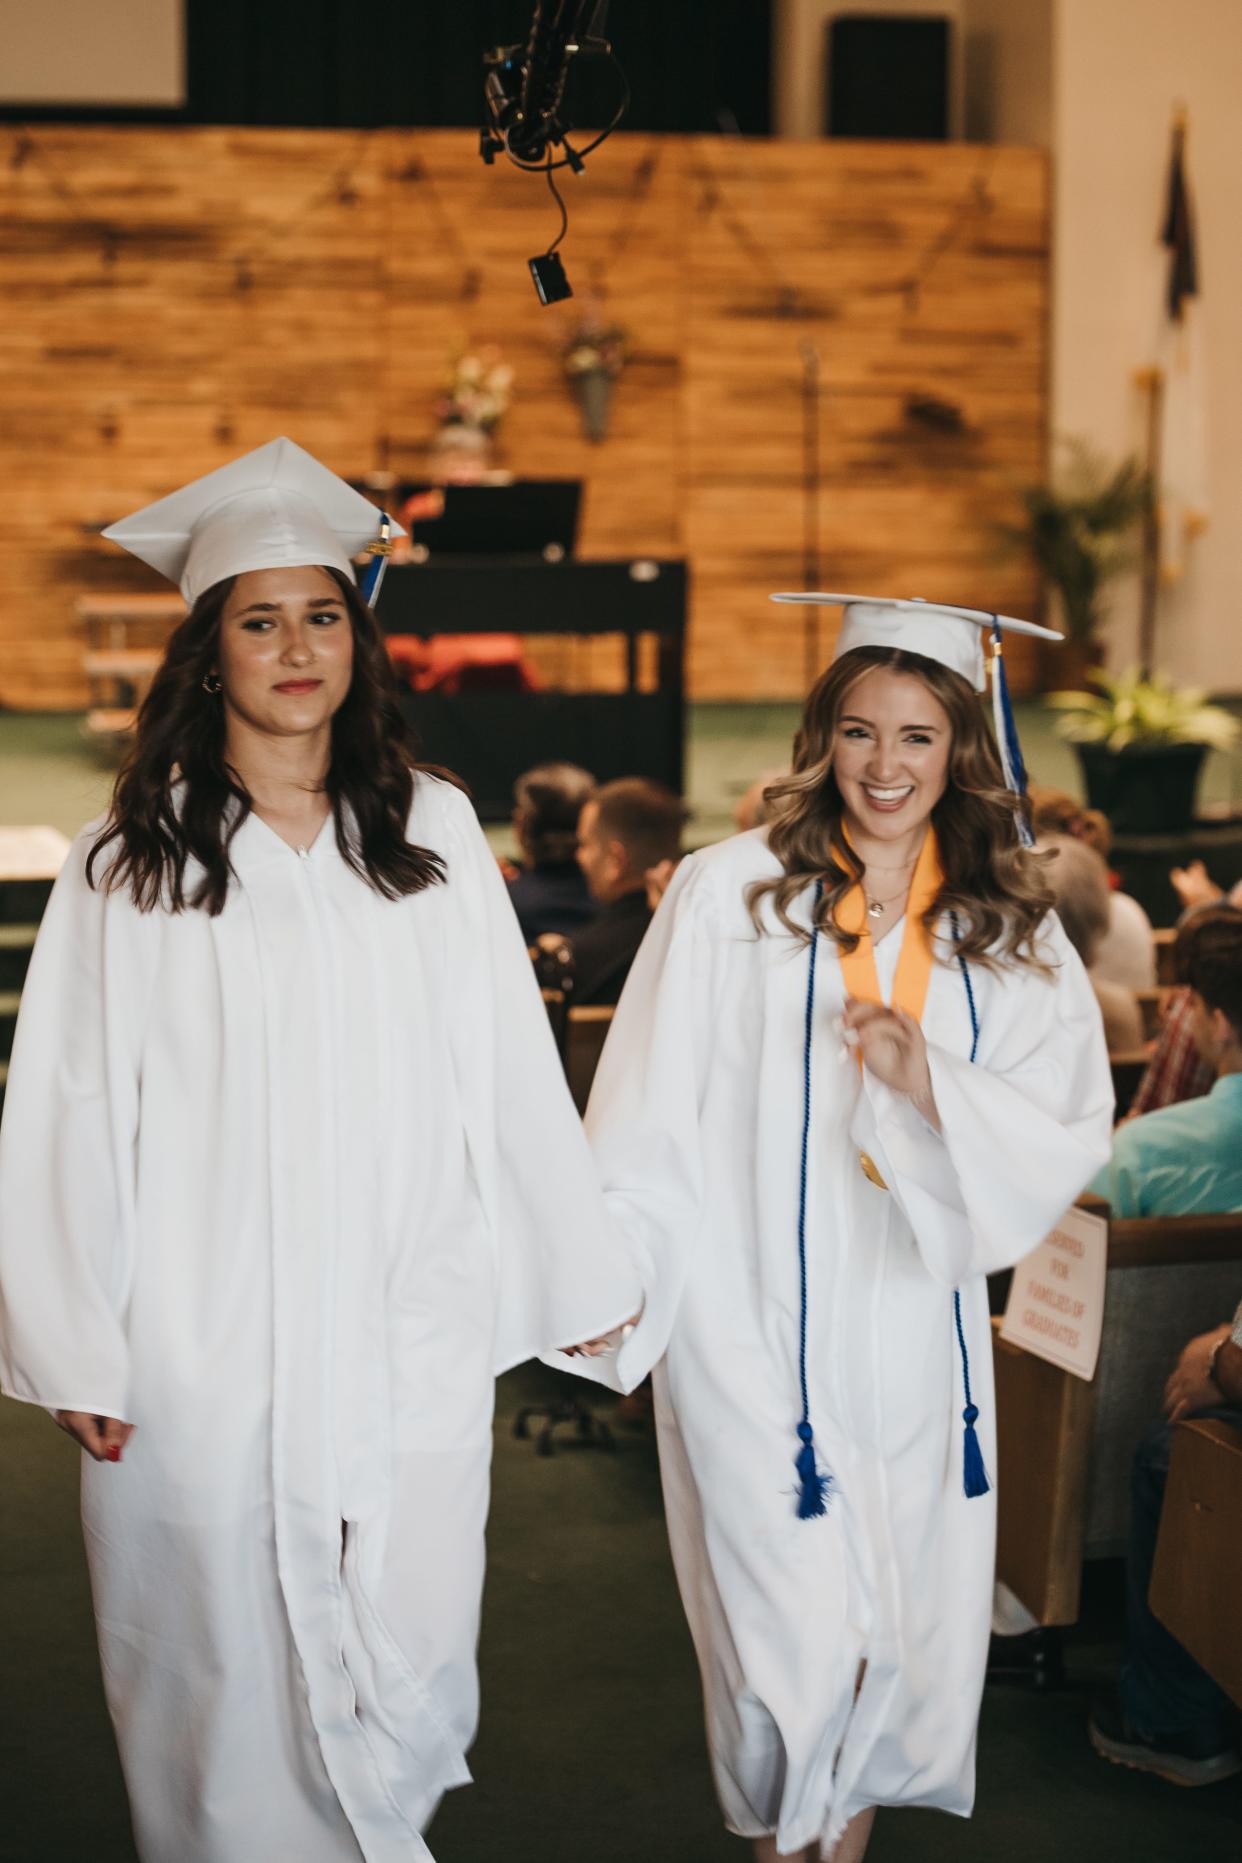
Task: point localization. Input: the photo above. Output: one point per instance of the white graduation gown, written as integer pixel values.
(696, 1123)
(284, 1189)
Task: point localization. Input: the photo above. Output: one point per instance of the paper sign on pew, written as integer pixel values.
(1056, 1303)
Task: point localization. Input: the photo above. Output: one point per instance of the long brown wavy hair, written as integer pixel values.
(991, 882)
(177, 799)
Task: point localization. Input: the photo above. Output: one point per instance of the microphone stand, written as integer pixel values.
(810, 510)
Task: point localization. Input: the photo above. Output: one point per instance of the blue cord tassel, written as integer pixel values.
(813, 1487)
(974, 1475)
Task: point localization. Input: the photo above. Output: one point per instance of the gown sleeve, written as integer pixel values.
(643, 1119)
(67, 1223)
(1023, 1128)
(561, 1276)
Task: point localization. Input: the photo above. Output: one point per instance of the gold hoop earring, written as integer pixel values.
(212, 683)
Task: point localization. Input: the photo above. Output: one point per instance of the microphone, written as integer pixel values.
(554, 38)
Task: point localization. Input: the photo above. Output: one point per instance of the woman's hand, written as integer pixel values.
(101, 1437)
(892, 1047)
(597, 1348)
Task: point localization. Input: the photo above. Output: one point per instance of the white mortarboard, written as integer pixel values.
(275, 508)
(954, 636)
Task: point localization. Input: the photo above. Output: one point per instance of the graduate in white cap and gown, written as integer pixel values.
(856, 1067)
(288, 1172)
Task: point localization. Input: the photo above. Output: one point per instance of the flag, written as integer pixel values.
(1183, 491)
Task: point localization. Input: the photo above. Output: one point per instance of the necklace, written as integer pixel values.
(876, 908)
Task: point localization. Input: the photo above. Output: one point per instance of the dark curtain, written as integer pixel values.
(417, 63)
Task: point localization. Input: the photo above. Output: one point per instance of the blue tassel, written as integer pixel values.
(373, 574)
(1007, 734)
(974, 1475)
(813, 1487)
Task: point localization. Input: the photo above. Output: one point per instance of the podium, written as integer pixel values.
(489, 737)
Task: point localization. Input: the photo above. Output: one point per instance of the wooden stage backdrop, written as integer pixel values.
(174, 297)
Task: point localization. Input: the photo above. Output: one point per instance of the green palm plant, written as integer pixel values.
(1129, 710)
(1080, 531)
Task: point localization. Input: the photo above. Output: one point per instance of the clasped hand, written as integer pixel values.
(893, 1049)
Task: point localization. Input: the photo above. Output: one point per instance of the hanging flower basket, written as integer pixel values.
(593, 358)
(594, 388)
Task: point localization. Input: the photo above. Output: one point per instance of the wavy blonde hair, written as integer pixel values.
(992, 883)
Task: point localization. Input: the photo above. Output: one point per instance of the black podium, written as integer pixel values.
(488, 737)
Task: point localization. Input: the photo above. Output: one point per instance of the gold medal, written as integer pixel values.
(871, 1171)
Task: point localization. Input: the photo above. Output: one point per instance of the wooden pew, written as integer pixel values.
(1162, 940)
(1065, 1446)
(586, 1032)
(1194, 1583)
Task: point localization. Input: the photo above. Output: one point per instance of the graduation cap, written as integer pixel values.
(954, 637)
(275, 508)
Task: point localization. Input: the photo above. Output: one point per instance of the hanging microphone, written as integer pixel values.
(554, 38)
(524, 109)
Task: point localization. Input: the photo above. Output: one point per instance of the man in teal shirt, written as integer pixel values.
(1186, 1160)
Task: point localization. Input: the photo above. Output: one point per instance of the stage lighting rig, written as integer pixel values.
(525, 113)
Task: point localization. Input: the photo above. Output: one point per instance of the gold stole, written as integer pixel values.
(914, 960)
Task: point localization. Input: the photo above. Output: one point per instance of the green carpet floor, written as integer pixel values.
(591, 1746)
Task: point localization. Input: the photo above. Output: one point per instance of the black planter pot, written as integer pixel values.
(1144, 789)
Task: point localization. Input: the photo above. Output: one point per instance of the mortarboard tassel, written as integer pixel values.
(1007, 733)
(813, 1487)
(373, 574)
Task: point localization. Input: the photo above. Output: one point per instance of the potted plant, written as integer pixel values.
(1080, 532)
(1141, 744)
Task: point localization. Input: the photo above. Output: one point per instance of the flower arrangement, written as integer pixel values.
(594, 348)
(476, 391)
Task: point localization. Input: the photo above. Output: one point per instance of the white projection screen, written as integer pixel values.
(101, 53)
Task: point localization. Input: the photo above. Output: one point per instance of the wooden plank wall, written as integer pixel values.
(174, 297)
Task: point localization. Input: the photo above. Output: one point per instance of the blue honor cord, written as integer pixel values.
(815, 1487)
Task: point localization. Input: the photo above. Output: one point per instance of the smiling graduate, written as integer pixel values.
(288, 1172)
(856, 1067)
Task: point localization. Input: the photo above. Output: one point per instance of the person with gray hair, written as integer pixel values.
(550, 894)
(1079, 879)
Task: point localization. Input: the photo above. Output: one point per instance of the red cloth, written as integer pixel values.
(1176, 1071)
(463, 663)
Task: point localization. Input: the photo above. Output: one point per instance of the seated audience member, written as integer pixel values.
(1186, 1160)
(1177, 1071)
(1125, 954)
(1079, 879)
(1167, 1716)
(626, 828)
(549, 893)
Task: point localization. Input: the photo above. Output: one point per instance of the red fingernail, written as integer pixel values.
(113, 1452)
